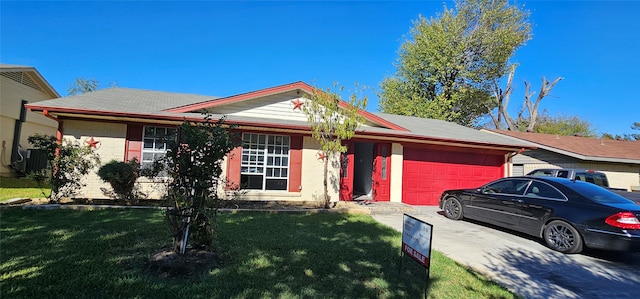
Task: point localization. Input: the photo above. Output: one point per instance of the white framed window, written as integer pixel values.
(265, 162)
(155, 144)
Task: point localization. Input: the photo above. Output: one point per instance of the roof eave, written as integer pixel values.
(302, 129)
(49, 90)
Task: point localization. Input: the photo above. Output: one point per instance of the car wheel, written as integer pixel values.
(452, 208)
(561, 236)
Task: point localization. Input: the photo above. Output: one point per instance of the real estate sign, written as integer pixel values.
(416, 239)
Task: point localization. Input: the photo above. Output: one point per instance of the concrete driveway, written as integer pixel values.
(522, 263)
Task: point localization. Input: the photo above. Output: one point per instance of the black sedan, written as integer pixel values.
(567, 214)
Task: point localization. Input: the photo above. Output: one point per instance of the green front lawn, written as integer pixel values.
(104, 253)
(19, 187)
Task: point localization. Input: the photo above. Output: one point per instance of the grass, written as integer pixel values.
(98, 254)
(19, 187)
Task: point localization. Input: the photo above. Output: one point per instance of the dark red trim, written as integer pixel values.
(233, 168)
(133, 145)
(295, 163)
(408, 138)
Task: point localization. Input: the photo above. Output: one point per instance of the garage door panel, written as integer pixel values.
(429, 172)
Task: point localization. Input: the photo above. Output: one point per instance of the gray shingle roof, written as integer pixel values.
(441, 129)
(137, 101)
(126, 100)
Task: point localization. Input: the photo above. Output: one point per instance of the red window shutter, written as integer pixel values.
(133, 145)
(233, 168)
(295, 164)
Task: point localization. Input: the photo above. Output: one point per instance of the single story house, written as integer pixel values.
(390, 158)
(618, 159)
(19, 85)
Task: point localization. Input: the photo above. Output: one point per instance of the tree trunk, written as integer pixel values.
(326, 187)
(505, 97)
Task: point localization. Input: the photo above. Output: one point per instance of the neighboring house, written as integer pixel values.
(18, 85)
(618, 159)
(390, 158)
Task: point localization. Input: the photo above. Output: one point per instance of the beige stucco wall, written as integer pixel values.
(112, 138)
(396, 172)
(112, 147)
(11, 95)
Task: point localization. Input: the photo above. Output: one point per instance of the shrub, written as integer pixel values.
(68, 163)
(122, 177)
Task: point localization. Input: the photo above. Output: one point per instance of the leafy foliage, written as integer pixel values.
(122, 177)
(68, 161)
(447, 65)
(563, 125)
(635, 126)
(333, 121)
(82, 85)
(193, 165)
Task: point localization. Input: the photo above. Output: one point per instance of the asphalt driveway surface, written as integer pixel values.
(522, 263)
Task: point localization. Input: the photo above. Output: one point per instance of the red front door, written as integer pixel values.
(346, 173)
(381, 172)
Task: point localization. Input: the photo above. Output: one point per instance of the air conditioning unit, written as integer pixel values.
(36, 160)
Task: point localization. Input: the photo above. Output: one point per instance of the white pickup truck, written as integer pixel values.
(590, 176)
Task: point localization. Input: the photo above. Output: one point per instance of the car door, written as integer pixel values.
(498, 202)
(537, 205)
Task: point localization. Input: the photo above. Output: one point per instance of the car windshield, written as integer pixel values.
(597, 193)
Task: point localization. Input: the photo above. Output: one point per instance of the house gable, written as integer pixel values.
(280, 102)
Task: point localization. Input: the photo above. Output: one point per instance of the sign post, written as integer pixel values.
(416, 242)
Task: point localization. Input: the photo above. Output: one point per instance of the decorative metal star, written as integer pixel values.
(92, 142)
(322, 156)
(297, 104)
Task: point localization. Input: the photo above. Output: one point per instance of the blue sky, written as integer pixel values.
(226, 48)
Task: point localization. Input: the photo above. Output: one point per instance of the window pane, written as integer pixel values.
(251, 182)
(538, 189)
(265, 150)
(516, 187)
(149, 131)
(276, 184)
(147, 157)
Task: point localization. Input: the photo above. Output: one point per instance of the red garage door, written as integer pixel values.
(428, 172)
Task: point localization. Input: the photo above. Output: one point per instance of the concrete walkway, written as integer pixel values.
(519, 262)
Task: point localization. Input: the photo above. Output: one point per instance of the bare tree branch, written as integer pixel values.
(504, 99)
(533, 109)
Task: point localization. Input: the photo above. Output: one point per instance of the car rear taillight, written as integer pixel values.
(624, 220)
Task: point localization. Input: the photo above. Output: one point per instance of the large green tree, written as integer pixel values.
(448, 64)
(332, 121)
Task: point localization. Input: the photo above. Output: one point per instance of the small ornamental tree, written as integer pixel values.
(68, 163)
(332, 121)
(122, 177)
(193, 166)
